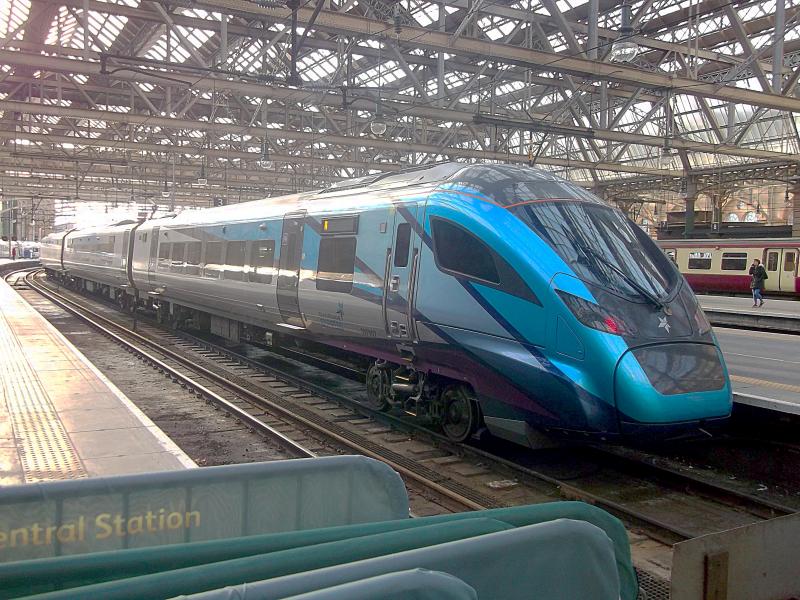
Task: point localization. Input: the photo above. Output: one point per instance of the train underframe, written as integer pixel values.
(447, 403)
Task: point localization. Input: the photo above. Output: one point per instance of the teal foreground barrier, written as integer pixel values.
(277, 564)
(557, 560)
(135, 511)
(417, 584)
(18, 579)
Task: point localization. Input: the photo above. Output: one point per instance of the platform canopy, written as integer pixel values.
(189, 101)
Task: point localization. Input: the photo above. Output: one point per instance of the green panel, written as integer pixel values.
(150, 509)
(43, 575)
(265, 566)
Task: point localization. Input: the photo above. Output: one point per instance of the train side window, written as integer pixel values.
(789, 260)
(772, 261)
(402, 244)
(700, 260)
(213, 261)
(337, 262)
(734, 261)
(164, 250)
(262, 261)
(178, 249)
(194, 251)
(672, 254)
(234, 261)
(459, 251)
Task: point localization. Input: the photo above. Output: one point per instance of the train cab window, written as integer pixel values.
(700, 260)
(337, 261)
(734, 261)
(402, 244)
(459, 251)
(789, 260)
(234, 261)
(772, 261)
(194, 251)
(164, 250)
(213, 262)
(262, 261)
(672, 254)
(176, 264)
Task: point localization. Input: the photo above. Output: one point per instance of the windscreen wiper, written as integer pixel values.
(649, 296)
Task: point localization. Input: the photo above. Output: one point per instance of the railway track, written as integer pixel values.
(667, 504)
(252, 407)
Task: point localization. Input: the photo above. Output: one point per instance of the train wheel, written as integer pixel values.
(378, 388)
(461, 415)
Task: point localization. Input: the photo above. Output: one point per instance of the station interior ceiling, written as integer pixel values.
(141, 105)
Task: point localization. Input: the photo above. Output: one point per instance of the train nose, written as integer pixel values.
(670, 383)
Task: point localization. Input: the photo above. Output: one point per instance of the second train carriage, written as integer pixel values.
(722, 265)
(483, 294)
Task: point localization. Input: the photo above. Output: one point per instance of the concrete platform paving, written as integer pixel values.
(60, 418)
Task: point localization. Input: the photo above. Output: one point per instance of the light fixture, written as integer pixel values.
(165, 191)
(265, 162)
(202, 179)
(378, 125)
(625, 49)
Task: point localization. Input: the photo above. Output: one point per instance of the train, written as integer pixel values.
(722, 265)
(486, 298)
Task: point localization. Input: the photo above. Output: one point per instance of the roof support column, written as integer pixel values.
(440, 58)
(795, 208)
(691, 196)
(777, 46)
(594, 14)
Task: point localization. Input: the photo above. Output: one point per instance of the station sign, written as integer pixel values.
(134, 511)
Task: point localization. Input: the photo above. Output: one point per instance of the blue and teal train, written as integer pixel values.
(486, 297)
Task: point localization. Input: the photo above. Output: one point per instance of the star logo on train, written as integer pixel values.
(663, 323)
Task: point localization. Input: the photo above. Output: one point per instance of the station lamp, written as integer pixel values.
(265, 162)
(202, 179)
(165, 191)
(625, 49)
(378, 124)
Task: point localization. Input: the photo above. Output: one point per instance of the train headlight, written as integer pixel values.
(700, 319)
(595, 316)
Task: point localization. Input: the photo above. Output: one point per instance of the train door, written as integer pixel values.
(781, 265)
(153, 257)
(401, 268)
(289, 268)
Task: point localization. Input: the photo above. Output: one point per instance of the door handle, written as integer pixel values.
(394, 285)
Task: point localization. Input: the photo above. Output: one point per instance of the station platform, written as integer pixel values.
(60, 418)
(733, 311)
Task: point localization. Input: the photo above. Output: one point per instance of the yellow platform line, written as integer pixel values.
(778, 386)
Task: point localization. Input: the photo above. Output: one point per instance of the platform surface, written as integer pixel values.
(789, 309)
(60, 418)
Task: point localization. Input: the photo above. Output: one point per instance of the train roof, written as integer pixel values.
(703, 242)
(497, 181)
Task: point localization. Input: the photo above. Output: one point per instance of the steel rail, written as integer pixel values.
(102, 324)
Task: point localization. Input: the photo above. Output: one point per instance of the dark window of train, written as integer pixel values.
(459, 251)
(734, 261)
(772, 261)
(789, 261)
(700, 260)
(213, 259)
(402, 245)
(234, 261)
(337, 262)
(178, 250)
(262, 261)
(194, 250)
(164, 250)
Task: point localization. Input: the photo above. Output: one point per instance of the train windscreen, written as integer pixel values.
(602, 246)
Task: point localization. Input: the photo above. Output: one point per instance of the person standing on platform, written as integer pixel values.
(13, 252)
(758, 274)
